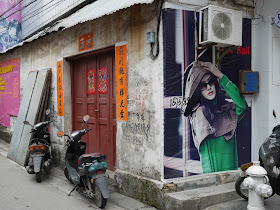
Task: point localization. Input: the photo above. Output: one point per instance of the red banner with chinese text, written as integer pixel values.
(86, 42)
(59, 88)
(121, 82)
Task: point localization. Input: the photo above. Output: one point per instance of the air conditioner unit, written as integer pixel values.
(220, 25)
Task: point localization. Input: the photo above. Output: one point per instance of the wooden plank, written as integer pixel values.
(32, 113)
(25, 101)
(41, 106)
(45, 104)
(44, 101)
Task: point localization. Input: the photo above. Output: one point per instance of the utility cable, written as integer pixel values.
(45, 31)
(11, 8)
(33, 11)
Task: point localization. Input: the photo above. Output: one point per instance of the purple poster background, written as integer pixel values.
(181, 158)
(10, 23)
(9, 90)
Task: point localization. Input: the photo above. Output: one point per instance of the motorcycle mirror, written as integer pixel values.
(48, 111)
(274, 114)
(60, 134)
(26, 122)
(86, 117)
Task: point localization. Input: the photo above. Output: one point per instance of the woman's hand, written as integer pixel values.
(212, 68)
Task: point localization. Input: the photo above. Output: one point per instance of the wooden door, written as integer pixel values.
(97, 100)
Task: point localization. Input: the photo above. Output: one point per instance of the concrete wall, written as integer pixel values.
(140, 139)
(265, 51)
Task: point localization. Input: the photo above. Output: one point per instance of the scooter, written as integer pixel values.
(269, 157)
(86, 171)
(39, 156)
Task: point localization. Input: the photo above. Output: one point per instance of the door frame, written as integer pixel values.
(71, 62)
(78, 57)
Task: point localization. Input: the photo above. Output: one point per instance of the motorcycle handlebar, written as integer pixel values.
(88, 129)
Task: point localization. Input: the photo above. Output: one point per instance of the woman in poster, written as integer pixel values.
(213, 118)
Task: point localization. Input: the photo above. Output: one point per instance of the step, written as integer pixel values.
(200, 198)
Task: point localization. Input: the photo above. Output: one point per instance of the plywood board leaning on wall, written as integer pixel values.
(33, 110)
(27, 93)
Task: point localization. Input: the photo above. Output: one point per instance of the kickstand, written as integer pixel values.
(72, 190)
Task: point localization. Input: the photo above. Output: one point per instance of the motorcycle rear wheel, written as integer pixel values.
(39, 176)
(99, 200)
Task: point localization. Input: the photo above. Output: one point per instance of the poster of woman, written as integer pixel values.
(207, 123)
(213, 119)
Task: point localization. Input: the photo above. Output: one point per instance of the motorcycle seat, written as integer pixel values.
(86, 157)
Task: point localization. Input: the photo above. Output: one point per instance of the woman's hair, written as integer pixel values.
(15, 24)
(197, 99)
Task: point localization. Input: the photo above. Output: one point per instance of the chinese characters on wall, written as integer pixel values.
(121, 81)
(86, 42)
(59, 88)
(9, 90)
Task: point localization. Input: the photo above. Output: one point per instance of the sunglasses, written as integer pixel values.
(203, 85)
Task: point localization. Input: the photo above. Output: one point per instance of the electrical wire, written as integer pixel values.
(39, 9)
(48, 29)
(33, 11)
(21, 8)
(45, 31)
(43, 11)
(11, 8)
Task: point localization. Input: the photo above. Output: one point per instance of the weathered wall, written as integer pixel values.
(139, 140)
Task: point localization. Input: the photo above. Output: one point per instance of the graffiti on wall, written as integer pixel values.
(9, 90)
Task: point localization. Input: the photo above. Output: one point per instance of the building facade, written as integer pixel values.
(134, 90)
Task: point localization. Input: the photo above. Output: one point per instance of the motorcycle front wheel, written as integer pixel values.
(39, 176)
(241, 189)
(99, 200)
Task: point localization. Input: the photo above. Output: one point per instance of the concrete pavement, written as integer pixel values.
(19, 190)
(272, 203)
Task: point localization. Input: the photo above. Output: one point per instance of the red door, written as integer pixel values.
(93, 93)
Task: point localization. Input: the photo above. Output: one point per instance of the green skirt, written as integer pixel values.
(218, 154)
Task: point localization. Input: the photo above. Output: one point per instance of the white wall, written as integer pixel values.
(266, 63)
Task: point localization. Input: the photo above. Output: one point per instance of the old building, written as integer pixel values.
(124, 63)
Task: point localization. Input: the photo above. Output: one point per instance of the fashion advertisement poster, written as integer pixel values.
(207, 122)
(9, 90)
(10, 24)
